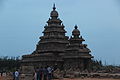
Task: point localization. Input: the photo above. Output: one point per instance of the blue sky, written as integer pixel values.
(22, 22)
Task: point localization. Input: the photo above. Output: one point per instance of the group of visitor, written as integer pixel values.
(43, 73)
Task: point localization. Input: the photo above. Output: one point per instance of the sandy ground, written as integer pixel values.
(6, 78)
(87, 79)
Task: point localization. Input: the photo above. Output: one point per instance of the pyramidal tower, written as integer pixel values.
(53, 40)
(56, 49)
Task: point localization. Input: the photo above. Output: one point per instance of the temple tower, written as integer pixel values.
(77, 54)
(51, 47)
(53, 39)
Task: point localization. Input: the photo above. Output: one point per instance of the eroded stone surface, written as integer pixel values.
(57, 50)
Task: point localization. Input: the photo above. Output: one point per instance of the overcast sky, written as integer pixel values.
(22, 22)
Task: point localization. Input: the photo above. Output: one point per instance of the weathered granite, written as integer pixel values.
(57, 49)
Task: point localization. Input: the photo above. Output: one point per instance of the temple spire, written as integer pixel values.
(54, 13)
(76, 26)
(76, 32)
(54, 6)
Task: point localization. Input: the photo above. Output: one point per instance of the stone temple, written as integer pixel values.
(57, 49)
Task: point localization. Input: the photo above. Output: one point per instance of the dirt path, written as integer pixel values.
(8, 78)
(87, 79)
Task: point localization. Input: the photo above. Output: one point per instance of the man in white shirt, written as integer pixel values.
(49, 69)
(16, 75)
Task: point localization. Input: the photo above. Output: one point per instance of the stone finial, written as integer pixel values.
(54, 6)
(76, 26)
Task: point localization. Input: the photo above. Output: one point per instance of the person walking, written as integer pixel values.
(49, 69)
(35, 75)
(13, 75)
(41, 73)
(45, 73)
(38, 74)
(16, 75)
(1, 77)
